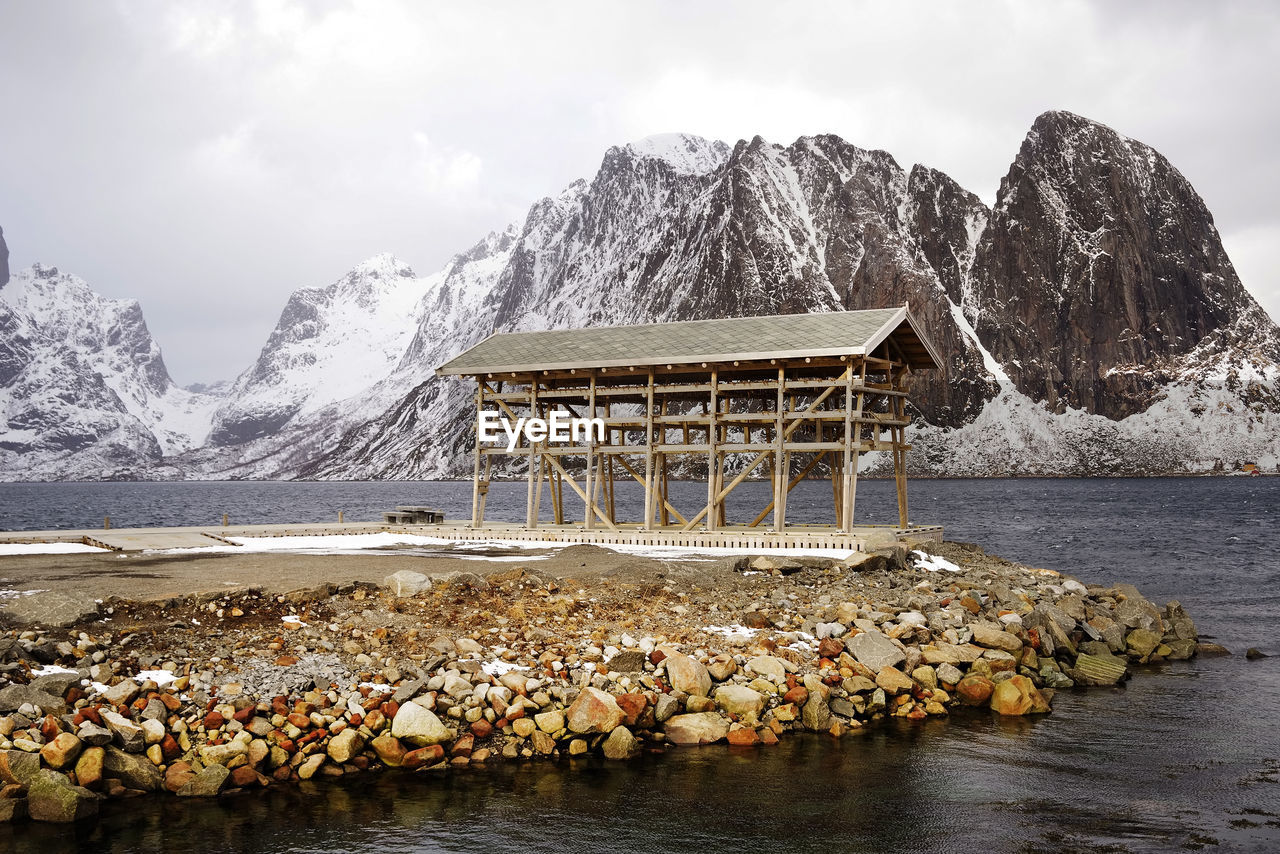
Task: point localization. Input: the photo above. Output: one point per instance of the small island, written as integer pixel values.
(568, 654)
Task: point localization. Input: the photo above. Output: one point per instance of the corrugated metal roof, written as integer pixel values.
(688, 342)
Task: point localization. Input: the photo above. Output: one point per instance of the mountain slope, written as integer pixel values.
(1045, 373)
(1091, 321)
(83, 387)
(1104, 255)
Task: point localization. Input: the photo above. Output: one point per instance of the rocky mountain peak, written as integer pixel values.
(4, 260)
(685, 153)
(1102, 250)
(1097, 283)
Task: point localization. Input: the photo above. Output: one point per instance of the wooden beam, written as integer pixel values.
(640, 480)
(588, 496)
(713, 439)
(475, 475)
(716, 497)
(591, 505)
(530, 508)
(647, 525)
(790, 486)
(900, 459)
(780, 473)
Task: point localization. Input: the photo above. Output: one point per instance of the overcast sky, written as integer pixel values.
(209, 158)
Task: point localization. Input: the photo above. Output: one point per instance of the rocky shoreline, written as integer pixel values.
(595, 655)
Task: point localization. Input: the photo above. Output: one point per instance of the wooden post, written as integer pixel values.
(664, 517)
(713, 440)
(849, 473)
(609, 484)
(224, 520)
(531, 508)
(780, 469)
(899, 410)
(106, 523)
(591, 452)
(476, 517)
(339, 517)
(648, 457)
(557, 495)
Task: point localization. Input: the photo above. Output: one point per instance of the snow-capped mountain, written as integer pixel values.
(1091, 321)
(330, 344)
(84, 392)
(1061, 358)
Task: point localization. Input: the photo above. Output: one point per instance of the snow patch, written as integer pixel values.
(934, 563)
(47, 549)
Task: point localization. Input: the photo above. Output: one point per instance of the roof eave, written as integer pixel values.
(687, 361)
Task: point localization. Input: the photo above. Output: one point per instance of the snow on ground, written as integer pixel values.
(498, 667)
(735, 631)
(14, 594)
(47, 549)
(160, 677)
(330, 543)
(933, 563)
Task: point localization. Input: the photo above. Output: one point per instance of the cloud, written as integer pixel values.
(1253, 252)
(208, 157)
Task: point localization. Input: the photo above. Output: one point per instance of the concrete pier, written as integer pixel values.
(732, 536)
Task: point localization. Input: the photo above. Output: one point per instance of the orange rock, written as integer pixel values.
(1018, 695)
(429, 755)
(633, 706)
(974, 689)
(245, 776)
(169, 748)
(745, 737)
(464, 745)
(178, 775)
(389, 750)
(798, 695)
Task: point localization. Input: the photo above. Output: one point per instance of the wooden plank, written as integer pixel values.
(535, 468)
(900, 460)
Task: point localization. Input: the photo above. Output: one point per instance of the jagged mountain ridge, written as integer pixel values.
(678, 228)
(822, 225)
(84, 391)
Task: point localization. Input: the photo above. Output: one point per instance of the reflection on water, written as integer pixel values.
(1184, 758)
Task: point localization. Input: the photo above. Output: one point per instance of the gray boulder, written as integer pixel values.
(51, 797)
(133, 769)
(875, 650)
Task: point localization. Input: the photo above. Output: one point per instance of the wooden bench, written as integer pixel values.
(410, 515)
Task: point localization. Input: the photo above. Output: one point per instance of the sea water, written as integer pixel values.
(1184, 757)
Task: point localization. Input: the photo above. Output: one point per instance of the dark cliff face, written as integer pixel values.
(814, 226)
(1099, 255)
(4, 260)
